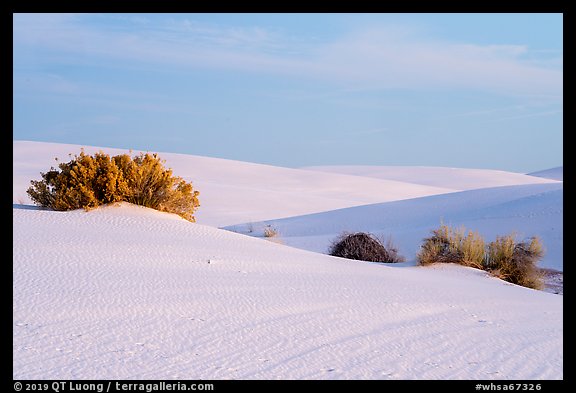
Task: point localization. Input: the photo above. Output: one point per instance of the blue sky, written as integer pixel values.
(456, 90)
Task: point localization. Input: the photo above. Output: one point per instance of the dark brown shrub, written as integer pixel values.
(364, 246)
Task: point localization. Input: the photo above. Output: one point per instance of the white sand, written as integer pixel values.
(125, 292)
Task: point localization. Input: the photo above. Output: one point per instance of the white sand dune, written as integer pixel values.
(233, 191)
(125, 292)
(455, 178)
(526, 210)
(556, 173)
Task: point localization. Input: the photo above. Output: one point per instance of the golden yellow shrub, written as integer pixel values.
(90, 181)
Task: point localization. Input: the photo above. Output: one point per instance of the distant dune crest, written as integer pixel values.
(556, 173)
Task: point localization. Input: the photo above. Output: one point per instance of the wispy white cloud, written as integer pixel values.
(378, 57)
(527, 115)
(384, 58)
(370, 133)
(484, 112)
(98, 120)
(53, 87)
(236, 38)
(51, 83)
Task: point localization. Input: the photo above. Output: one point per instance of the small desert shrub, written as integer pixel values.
(504, 258)
(451, 245)
(364, 246)
(270, 231)
(90, 181)
(516, 262)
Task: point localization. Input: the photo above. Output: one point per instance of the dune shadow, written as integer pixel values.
(27, 207)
